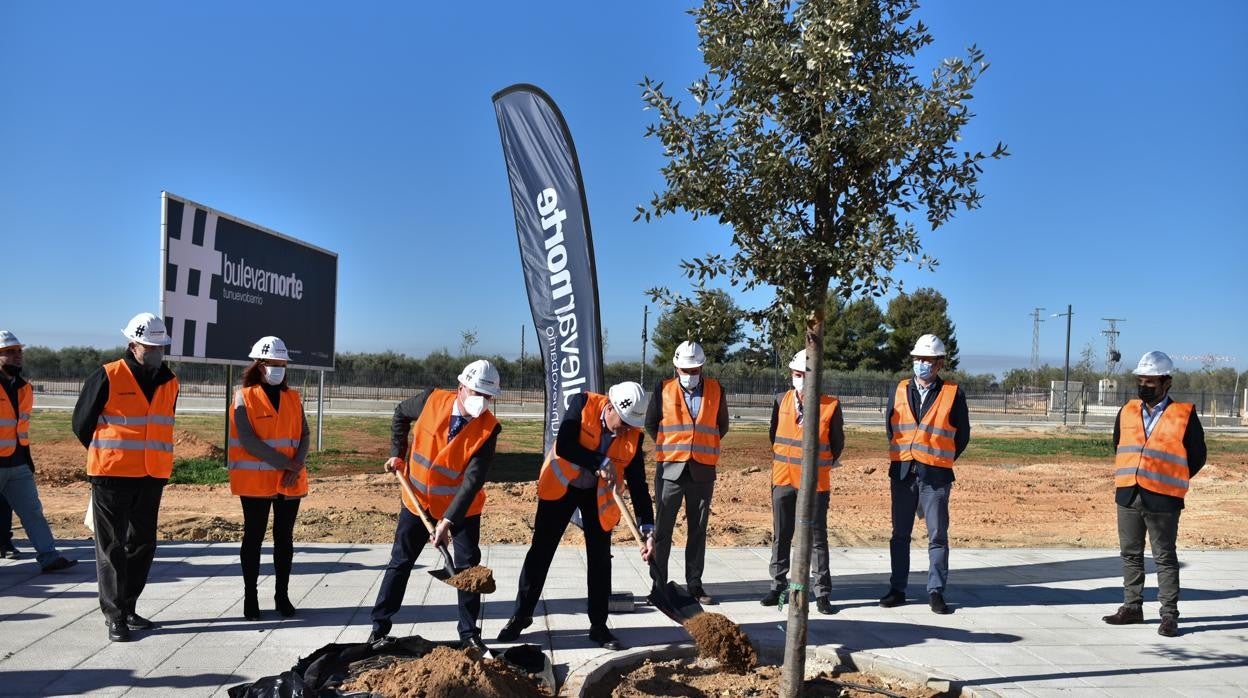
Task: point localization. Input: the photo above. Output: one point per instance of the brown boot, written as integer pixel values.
(1169, 626)
(1125, 615)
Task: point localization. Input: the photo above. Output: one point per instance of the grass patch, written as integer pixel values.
(199, 471)
(1091, 447)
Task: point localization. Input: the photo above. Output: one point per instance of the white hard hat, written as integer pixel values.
(8, 339)
(630, 401)
(799, 361)
(269, 348)
(688, 355)
(928, 345)
(481, 376)
(148, 329)
(1154, 363)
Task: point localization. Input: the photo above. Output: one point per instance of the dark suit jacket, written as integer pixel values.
(654, 416)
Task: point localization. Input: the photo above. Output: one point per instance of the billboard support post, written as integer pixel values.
(320, 410)
(229, 382)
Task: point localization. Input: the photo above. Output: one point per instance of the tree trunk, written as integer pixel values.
(794, 670)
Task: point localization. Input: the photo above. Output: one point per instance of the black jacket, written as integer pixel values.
(1193, 442)
(568, 447)
(21, 455)
(836, 430)
(94, 394)
(959, 417)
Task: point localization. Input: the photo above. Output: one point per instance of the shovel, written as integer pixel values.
(669, 599)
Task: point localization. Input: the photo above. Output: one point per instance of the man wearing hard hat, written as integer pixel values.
(599, 444)
(928, 427)
(124, 418)
(1159, 445)
(687, 422)
(786, 479)
(453, 435)
(17, 470)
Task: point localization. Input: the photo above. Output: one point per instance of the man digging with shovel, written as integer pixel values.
(453, 437)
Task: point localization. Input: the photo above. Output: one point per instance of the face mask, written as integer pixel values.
(798, 382)
(1147, 393)
(689, 381)
(273, 375)
(152, 358)
(12, 371)
(923, 369)
(474, 405)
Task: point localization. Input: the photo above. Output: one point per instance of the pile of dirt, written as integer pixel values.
(721, 639)
(201, 528)
(446, 673)
(474, 580)
(188, 445)
(701, 677)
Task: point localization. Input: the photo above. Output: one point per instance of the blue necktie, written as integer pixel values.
(457, 423)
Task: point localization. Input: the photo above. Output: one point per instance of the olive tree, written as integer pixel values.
(815, 141)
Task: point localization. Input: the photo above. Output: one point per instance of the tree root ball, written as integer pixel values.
(721, 639)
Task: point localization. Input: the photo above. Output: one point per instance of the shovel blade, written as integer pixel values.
(440, 575)
(674, 602)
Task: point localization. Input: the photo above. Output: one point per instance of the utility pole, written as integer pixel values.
(1112, 355)
(645, 322)
(522, 365)
(1035, 337)
(1066, 379)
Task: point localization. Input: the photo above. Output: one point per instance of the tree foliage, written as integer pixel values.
(713, 320)
(912, 315)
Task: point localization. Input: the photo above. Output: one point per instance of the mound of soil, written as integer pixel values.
(474, 580)
(188, 445)
(207, 528)
(721, 639)
(701, 677)
(446, 673)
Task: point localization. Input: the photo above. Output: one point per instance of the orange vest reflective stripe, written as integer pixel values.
(132, 437)
(250, 476)
(1158, 463)
(557, 473)
(435, 465)
(681, 437)
(15, 426)
(786, 452)
(929, 441)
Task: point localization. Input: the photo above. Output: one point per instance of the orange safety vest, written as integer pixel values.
(786, 452)
(682, 438)
(132, 437)
(929, 441)
(249, 475)
(435, 465)
(15, 428)
(557, 474)
(1158, 463)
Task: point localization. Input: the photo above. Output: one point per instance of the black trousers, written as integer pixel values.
(783, 522)
(125, 539)
(548, 527)
(410, 538)
(668, 496)
(255, 522)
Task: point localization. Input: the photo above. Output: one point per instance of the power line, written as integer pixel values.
(1035, 337)
(1112, 355)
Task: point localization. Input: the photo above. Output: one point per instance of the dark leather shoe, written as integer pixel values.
(135, 621)
(9, 552)
(893, 598)
(773, 597)
(1169, 626)
(824, 605)
(251, 607)
(118, 631)
(602, 635)
(375, 637)
(1125, 616)
(60, 563)
(284, 607)
(701, 596)
(937, 601)
(476, 643)
(511, 631)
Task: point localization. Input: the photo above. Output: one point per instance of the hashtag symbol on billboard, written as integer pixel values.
(191, 310)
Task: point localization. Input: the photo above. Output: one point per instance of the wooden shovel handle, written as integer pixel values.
(411, 494)
(627, 515)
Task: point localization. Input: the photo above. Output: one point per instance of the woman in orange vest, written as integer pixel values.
(268, 447)
(786, 478)
(599, 444)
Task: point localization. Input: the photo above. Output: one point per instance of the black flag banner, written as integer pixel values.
(556, 251)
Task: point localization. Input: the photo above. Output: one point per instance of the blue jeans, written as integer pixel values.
(908, 496)
(17, 484)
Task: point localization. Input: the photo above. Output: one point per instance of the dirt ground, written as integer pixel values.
(1028, 501)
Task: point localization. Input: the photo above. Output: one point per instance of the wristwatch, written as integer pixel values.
(647, 530)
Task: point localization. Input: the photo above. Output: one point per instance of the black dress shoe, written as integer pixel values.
(893, 598)
(1125, 616)
(284, 607)
(937, 601)
(476, 643)
(824, 605)
(602, 635)
(251, 607)
(701, 596)
(60, 563)
(118, 631)
(9, 552)
(135, 621)
(1169, 626)
(773, 597)
(511, 631)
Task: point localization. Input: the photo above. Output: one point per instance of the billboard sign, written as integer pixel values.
(226, 283)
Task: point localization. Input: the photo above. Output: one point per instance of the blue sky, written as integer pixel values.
(367, 129)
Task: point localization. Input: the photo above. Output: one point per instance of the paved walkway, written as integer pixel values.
(1026, 622)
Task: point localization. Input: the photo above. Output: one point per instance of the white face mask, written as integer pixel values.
(273, 375)
(798, 383)
(474, 405)
(689, 381)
